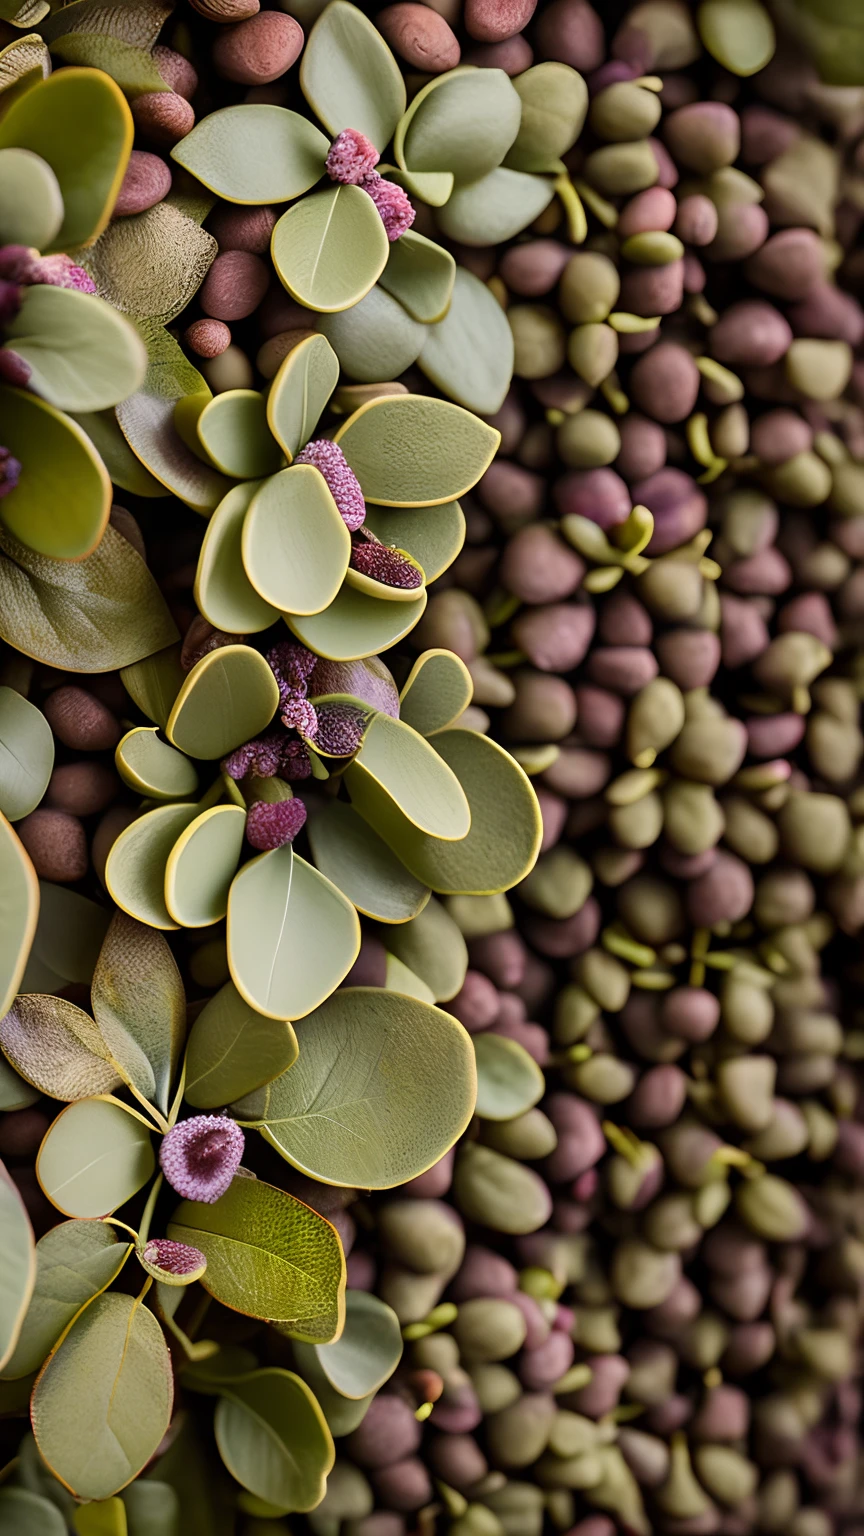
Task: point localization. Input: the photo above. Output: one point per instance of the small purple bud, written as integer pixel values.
(384, 564)
(13, 369)
(299, 715)
(342, 482)
(393, 204)
(177, 1260)
(10, 300)
(10, 472)
(352, 156)
(200, 1157)
(295, 762)
(263, 757)
(340, 729)
(60, 271)
(272, 826)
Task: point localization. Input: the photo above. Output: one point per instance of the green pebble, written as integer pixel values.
(739, 34)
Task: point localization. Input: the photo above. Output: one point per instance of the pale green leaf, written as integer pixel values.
(75, 1262)
(233, 1050)
(233, 431)
(135, 867)
(420, 274)
(395, 764)
(94, 1157)
(60, 506)
(140, 1006)
(17, 1265)
(437, 691)
(432, 946)
(254, 153)
(151, 768)
(349, 76)
(330, 248)
(376, 339)
(82, 355)
(57, 1047)
(301, 389)
(356, 626)
(413, 450)
(202, 864)
(509, 1081)
(469, 354)
(19, 910)
(368, 1352)
(229, 696)
(495, 208)
(296, 546)
(26, 754)
(354, 857)
(463, 122)
(223, 591)
(67, 940)
(273, 1438)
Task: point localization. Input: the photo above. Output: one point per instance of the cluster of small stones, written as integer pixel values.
(638, 1306)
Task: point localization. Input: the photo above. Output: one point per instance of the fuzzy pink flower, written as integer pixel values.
(393, 204)
(10, 472)
(22, 264)
(299, 715)
(342, 482)
(292, 666)
(200, 1157)
(179, 1259)
(272, 826)
(384, 564)
(263, 757)
(352, 156)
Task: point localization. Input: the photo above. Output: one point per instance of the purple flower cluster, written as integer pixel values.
(342, 483)
(352, 156)
(24, 266)
(200, 1157)
(393, 204)
(268, 755)
(383, 563)
(272, 826)
(340, 729)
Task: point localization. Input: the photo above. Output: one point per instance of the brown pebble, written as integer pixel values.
(207, 338)
(80, 721)
(538, 567)
(513, 56)
(114, 821)
(789, 265)
(596, 493)
(493, 21)
(56, 844)
(242, 229)
(226, 10)
(258, 50)
(664, 383)
(696, 220)
(555, 638)
(750, 333)
(147, 181)
(163, 117)
(643, 447)
(235, 285)
(81, 788)
(534, 268)
(571, 32)
(176, 71)
(420, 36)
(703, 137)
(650, 210)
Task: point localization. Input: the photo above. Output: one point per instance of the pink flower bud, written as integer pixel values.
(178, 1260)
(384, 564)
(200, 1157)
(393, 204)
(272, 826)
(299, 715)
(352, 156)
(342, 482)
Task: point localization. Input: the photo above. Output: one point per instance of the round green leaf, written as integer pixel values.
(306, 379)
(330, 248)
(505, 834)
(432, 187)
(554, 104)
(103, 1402)
(233, 431)
(223, 591)
(354, 857)
(152, 768)
(433, 948)
(135, 867)
(296, 546)
(433, 539)
(147, 423)
(254, 153)
(397, 765)
(292, 935)
(375, 339)
(17, 1265)
(82, 355)
(154, 683)
(19, 910)
(509, 1081)
(273, 1438)
(437, 690)
(356, 626)
(26, 754)
(469, 354)
(14, 1092)
(152, 1509)
(78, 121)
(67, 941)
(370, 1058)
(268, 1256)
(413, 450)
(420, 274)
(343, 1414)
(75, 1262)
(202, 864)
(495, 208)
(232, 1050)
(89, 615)
(462, 122)
(28, 1514)
(229, 696)
(368, 1351)
(349, 76)
(140, 1007)
(94, 1157)
(398, 978)
(60, 505)
(57, 1047)
(31, 203)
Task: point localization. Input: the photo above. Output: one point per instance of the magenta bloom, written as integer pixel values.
(352, 156)
(393, 204)
(177, 1259)
(10, 472)
(292, 666)
(384, 564)
(299, 715)
(342, 482)
(263, 757)
(340, 729)
(200, 1157)
(21, 264)
(272, 826)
